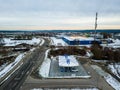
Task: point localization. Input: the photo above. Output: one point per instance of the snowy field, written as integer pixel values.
(116, 44)
(112, 81)
(9, 42)
(57, 42)
(115, 69)
(65, 89)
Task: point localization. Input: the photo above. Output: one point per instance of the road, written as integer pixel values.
(94, 81)
(30, 62)
(23, 78)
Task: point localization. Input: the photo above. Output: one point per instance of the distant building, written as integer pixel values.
(98, 36)
(79, 40)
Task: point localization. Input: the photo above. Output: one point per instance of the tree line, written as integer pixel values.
(105, 53)
(68, 50)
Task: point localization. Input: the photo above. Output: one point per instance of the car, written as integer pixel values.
(74, 69)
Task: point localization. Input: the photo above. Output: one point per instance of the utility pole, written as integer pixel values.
(95, 25)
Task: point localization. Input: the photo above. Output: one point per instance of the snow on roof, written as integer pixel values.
(71, 38)
(68, 61)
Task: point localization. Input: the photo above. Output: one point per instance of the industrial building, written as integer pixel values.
(77, 40)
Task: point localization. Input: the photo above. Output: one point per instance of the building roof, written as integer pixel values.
(71, 38)
(68, 61)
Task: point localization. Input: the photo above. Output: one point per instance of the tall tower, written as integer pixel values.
(95, 25)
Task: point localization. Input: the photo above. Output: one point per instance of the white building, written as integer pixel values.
(68, 63)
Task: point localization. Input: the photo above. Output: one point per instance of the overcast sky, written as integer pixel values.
(59, 14)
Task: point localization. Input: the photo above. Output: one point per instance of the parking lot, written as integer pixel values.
(56, 72)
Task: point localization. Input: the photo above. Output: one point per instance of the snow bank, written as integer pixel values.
(3, 66)
(42, 42)
(65, 89)
(115, 69)
(45, 67)
(10, 66)
(101, 61)
(32, 49)
(112, 81)
(89, 54)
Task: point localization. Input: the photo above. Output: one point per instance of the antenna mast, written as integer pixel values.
(95, 25)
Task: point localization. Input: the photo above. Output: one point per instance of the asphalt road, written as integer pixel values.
(30, 62)
(94, 81)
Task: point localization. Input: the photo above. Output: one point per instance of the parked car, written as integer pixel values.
(74, 69)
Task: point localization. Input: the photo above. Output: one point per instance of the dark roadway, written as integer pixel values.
(15, 81)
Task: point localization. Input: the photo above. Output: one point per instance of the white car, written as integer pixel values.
(74, 69)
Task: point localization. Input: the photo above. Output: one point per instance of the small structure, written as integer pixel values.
(68, 63)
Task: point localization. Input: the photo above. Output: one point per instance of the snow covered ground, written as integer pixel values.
(42, 42)
(116, 44)
(65, 89)
(11, 66)
(44, 68)
(89, 54)
(3, 66)
(101, 61)
(9, 42)
(112, 81)
(57, 42)
(115, 69)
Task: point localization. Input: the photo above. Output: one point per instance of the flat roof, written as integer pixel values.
(68, 61)
(71, 38)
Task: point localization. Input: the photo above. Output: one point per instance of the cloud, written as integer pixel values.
(69, 6)
(58, 12)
